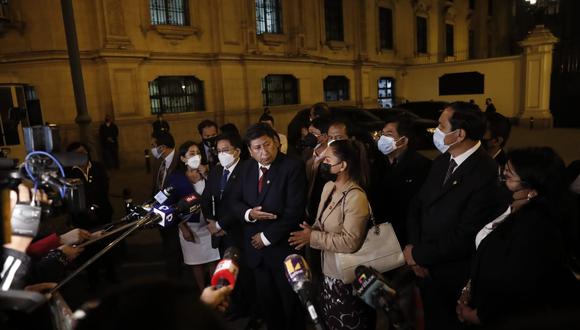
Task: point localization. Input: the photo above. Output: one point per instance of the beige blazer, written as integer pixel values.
(332, 234)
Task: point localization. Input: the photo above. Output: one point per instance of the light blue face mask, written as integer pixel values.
(386, 144)
(439, 140)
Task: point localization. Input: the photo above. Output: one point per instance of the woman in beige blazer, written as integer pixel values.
(340, 227)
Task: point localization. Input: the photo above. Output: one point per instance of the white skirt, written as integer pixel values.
(199, 252)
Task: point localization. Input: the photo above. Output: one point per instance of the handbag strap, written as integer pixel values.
(371, 215)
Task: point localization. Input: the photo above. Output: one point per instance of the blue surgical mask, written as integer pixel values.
(386, 144)
(439, 140)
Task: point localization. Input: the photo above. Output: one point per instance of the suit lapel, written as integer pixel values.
(456, 178)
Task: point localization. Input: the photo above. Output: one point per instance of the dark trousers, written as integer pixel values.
(439, 302)
(111, 156)
(280, 306)
(172, 254)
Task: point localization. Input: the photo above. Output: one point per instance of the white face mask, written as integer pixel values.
(226, 159)
(386, 144)
(155, 152)
(194, 162)
(439, 140)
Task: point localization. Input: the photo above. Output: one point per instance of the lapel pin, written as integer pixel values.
(268, 182)
(455, 182)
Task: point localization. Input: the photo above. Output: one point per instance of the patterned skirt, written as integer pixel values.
(342, 309)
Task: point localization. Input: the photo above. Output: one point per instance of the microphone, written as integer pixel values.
(169, 214)
(163, 195)
(370, 286)
(227, 269)
(299, 277)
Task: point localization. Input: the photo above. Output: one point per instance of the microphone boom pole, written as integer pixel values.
(149, 218)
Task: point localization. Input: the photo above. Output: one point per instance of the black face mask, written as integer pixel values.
(209, 142)
(310, 140)
(325, 173)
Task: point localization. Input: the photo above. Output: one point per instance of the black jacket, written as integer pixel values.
(283, 194)
(520, 268)
(399, 184)
(226, 219)
(444, 219)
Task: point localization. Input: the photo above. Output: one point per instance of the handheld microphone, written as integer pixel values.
(370, 286)
(170, 214)
(299, 277)
(227, 269)
(163, 195)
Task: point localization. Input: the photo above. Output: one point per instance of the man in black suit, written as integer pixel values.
(271, 201)
(456, 201)
(163, 149)
(404, 173)
(222, 223)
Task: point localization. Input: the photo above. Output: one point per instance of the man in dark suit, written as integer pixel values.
(222, 223)
(456, 201)
(208, 130)
(163, 149)
(270, 201)
(403, 175)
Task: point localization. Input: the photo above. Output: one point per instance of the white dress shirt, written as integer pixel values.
(247, 215)
(487, 229)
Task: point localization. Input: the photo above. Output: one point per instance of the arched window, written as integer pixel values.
(174, 94)
(336, 88)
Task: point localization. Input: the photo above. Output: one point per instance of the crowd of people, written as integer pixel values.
(488, 236)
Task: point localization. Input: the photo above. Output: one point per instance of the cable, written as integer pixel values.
(33, 177)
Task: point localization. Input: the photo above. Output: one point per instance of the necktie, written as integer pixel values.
(452, 166)
(223, 182)
(262, 178)
(161, 175)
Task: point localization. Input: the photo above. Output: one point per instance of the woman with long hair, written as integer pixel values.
(340, 227)
(194, 236)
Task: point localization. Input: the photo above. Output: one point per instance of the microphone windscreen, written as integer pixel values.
(297, 271)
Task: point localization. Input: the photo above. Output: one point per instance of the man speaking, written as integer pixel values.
(270, 200)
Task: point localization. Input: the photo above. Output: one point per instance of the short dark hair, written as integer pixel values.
(229, 128)
(257, 131)
(233, 139)
(469, 118)
(353, 152)
(204, 124)
(321, 123)
(340, 122)
(499, 126)
(164, 139)
(266, 116)
(320, 109)
(405, 125)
